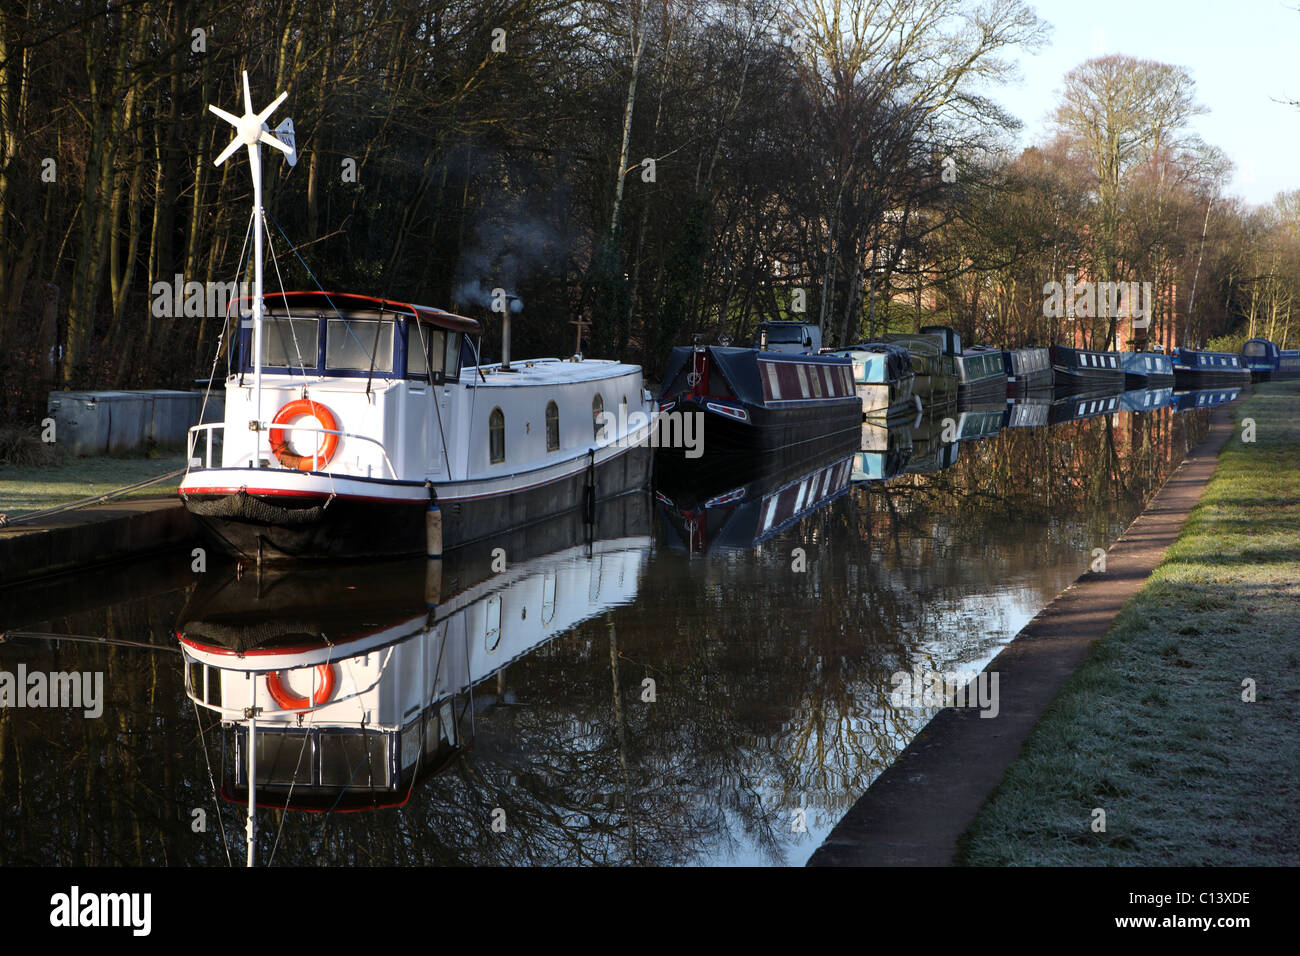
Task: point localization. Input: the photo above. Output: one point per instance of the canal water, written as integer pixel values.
(702, 676)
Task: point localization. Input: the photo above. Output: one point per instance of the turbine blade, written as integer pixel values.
(228, 151)
(228, 117)
(248, 96)
(270, 140)
(263, 116)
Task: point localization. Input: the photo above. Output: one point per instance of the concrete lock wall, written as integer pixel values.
(113, 422)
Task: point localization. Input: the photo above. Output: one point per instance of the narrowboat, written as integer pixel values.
(935, 371)
(1086, 370)
(1194, 369)
(1147, 370)
(1266, 361)
(982, 374)
(1078, 407)
(374, 663)
(883, 379)
(1028, 370)
(350, 419)
(751, 401)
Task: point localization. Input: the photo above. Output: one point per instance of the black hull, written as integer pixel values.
(1133, 380)
(293, 530)
(1196, 379)
(802, 429)
(1039, 380)
(982, 391)
(1069, 381)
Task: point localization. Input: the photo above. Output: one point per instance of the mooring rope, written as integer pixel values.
(6, 521)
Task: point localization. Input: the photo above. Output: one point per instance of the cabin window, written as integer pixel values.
(552, 427)
(451, 362)
(497, 437)
(597, 409)
(424, 351)
(289, 343)
(350, 345)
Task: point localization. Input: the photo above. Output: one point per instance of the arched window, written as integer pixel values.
(597, 409)
(497, 436)
(552, 427)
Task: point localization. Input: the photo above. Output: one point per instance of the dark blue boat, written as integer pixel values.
(757, 402)
(1197, 369)
(1086, 370)
(1147, 370)
(1266, 361)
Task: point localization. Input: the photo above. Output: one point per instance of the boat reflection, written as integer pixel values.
(361, 679)
(739, 510)
(884, 452)
(1203, 398)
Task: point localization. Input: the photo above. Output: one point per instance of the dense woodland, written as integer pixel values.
(657, 168)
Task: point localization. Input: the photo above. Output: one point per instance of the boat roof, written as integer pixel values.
(350, 305)
(548, 371)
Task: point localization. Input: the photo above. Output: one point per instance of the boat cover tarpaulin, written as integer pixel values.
(739, 367)
(898, 361)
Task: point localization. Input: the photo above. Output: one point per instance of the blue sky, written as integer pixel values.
(1243, 54)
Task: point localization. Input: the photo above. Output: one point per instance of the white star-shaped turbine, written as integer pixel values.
(250, 129)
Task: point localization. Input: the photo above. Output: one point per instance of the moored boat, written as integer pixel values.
(752, 401)
(1028, 370)
(1086, 370)
(981, 374)
(1194, 369)
(882, 377)
(384, 441)
(1266, 361)
(1147, 370)
(935, 370)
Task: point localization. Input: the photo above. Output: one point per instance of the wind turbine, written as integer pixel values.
(251, 131)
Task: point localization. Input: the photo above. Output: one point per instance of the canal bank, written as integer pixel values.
(95, 535)
(916, 812)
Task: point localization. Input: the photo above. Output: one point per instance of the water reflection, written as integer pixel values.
(710, 694)
(363, 675)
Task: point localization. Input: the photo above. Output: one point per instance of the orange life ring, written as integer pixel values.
(280, 445)
(288, 701)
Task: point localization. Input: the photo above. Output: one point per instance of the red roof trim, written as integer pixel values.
(424, 313)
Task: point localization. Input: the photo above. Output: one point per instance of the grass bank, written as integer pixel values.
(1152, 728)
(35, 487)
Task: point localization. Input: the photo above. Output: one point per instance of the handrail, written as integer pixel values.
(209, 427)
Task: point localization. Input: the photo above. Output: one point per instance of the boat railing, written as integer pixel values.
(205, 462)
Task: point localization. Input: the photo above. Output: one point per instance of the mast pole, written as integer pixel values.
(252, 769)
(255, 160)
(251, 131)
